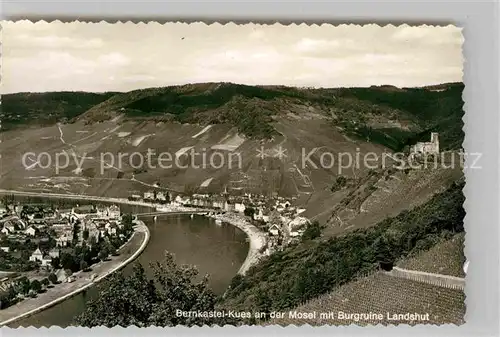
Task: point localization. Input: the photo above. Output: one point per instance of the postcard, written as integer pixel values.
(190, 174)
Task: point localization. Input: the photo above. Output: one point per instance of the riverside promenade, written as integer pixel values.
(60, 292)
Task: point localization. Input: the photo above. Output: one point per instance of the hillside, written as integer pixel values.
(381, 293)
(288, 278)
(235, 121)
(368, 215)
(40, 109)
(392, 118)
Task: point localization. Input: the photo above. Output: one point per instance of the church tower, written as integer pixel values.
(435, 141)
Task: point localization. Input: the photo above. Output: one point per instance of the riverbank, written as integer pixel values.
(124, 201)
(257, 238)
(128, 252)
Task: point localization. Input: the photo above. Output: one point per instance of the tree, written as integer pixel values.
(36, 286)
(55, 262)
(312, 231)
(249, 211)
(7, 297)
(103, 254)
(112, 251)
(236, 281)
(24, 282)
(68, 261)
(25, 255)
(151, 300)
(85, 254)
(339, 183)
(45, 282)
(52, 278)
(92, 242)
(76, 230)
(85, 234)
(127, 222)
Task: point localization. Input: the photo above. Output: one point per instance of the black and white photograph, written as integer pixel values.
(191, 174)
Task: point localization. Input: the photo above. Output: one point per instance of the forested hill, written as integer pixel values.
(288, 278)
(390, 116)
(41, 109)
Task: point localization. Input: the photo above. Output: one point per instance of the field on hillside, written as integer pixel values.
(381, 293)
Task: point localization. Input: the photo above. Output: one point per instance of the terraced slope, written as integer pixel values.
(384, 294)
(386, 193)
(445, 258)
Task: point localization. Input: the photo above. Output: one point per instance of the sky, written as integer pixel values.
(39, 57)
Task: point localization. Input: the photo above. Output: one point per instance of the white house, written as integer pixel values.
(161, 197)
(37, 255)
(274, 229)
(32, 231)
(218, 204)
(297, 226)
(62, 241)
(228, 207)
(46, 260)
(181, 200)
(239, 207)
(54, 252)
(8, 228)
(111, 229)
(149, 196)
(258, 215)
(113, 212)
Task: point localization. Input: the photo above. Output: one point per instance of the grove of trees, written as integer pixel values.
(144, 300)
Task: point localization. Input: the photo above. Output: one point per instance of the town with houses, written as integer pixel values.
(278, 217)
(42, 245)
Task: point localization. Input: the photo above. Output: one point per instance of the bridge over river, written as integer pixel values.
(196, 211)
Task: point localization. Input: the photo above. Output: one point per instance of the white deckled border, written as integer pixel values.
(481, 135)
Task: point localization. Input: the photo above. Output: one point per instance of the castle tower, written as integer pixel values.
(435, 141)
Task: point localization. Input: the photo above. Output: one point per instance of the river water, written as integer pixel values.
(217, 250)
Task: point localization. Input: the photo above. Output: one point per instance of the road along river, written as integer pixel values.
(128, 252)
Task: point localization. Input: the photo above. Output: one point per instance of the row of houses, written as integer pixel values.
(158, 197)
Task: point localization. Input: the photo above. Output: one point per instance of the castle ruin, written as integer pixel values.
(431, 147)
